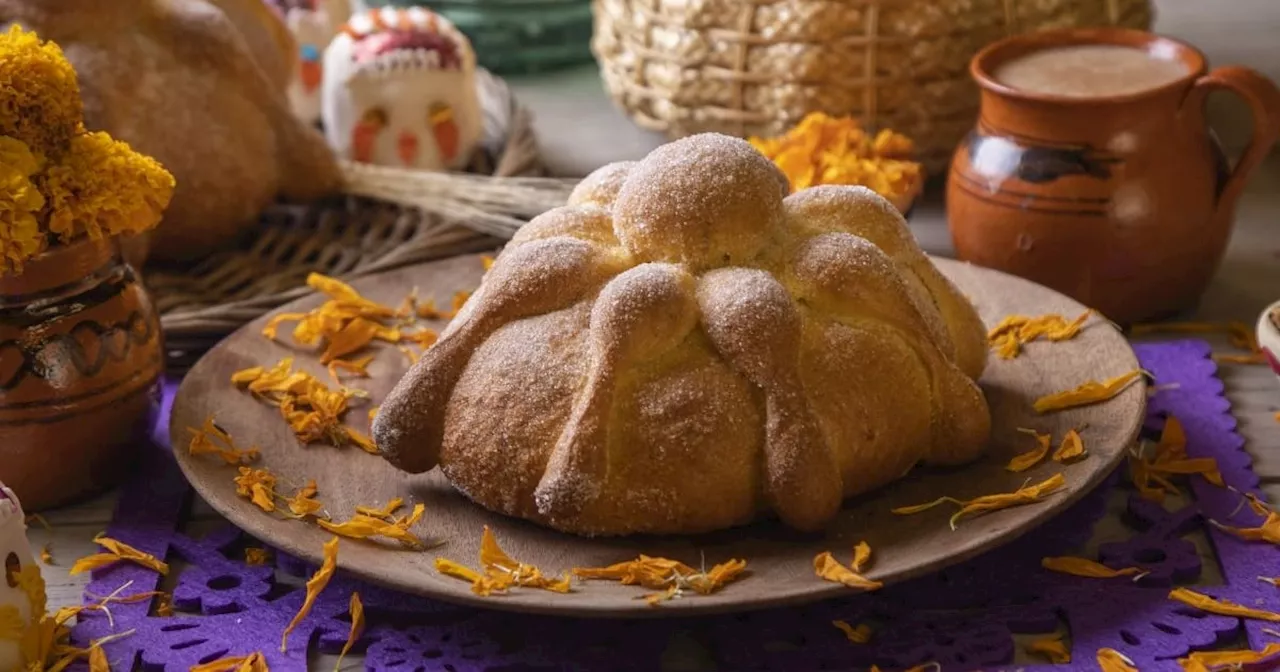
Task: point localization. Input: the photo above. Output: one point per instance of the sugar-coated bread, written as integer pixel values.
(685, 347)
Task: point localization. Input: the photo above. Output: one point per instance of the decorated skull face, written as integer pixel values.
(399, 90)
(313, 24)
(22, 592)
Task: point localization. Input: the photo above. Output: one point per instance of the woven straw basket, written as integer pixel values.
(756, 67)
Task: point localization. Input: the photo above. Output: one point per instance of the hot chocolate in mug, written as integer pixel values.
(1092, 169)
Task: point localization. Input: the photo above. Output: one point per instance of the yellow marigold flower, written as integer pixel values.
(39, 96)
(102, 187)
(20, 235)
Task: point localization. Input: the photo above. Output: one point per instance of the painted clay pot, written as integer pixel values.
(1124, 203)
(80, 363)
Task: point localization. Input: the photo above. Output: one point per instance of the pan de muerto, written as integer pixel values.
(684, 347)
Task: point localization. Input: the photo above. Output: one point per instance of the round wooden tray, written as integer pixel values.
(779, 561)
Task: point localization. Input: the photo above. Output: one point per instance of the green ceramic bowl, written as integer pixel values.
(515, 36)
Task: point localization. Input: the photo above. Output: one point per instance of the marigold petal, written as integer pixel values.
(1071, 448)
(1219, 660)
(315, 585)
(1052, 648)
(1221, 607)
(1087, 568)
(356, 609)
(1029, 459)
(859, 634)
(830, 569)
(457, 570)
(1110, 660)
(1090, 392)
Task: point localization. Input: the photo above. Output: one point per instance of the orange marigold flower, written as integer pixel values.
(836, 150)
(20, 202)
(101, 187)
(39, 95)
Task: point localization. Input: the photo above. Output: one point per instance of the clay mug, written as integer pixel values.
(1125, 202)
(80, 362)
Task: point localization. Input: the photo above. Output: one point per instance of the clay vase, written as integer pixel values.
(80, 363)
(1125, 203)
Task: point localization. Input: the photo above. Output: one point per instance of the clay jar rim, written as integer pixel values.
(993, 55)
(59, 265)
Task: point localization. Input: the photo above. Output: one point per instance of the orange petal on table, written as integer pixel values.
(303, 502)
(356, 367)
(256, 556)
(859, 634)
(202, 443)
(724, 573)
(246, 376)
(254, 662)
(1207, 467)
(1030, 494)
(827, 567)
(1110, 660)
(861, 556)
(1221, 607)
(1087, 568)
(492, 555)
(258, 486)
(364, 527)
(1024, 461)
(356, 609)
(98, 660)
(1052, 648)
(315, 584)
(356, 335)
(1071, 448)
(646, 571)
(654, 599)
(361, 441)
(334, 288)
(1090, 392)
(1206, 661)
(385, 512)
(118, 551)
(272, 329)
(457, 570)
(424, 338)
(1268, 531)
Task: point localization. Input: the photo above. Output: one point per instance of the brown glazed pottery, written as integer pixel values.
(80, 362)
(1124, 203)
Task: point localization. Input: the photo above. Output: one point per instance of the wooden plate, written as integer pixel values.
(779, 561)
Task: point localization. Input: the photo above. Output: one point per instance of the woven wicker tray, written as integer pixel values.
(387, 218)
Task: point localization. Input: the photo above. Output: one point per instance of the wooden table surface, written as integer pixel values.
(580, 130)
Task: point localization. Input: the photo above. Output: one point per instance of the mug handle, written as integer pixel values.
(1263, 98)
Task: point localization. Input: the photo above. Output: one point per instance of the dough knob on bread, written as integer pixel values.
(638, 316)
(601, 187)
(753, 323)
(705, 201)
(537, 278)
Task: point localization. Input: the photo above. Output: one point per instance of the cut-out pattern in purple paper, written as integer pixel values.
(964, 617)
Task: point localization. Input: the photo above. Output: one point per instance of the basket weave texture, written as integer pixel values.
(387, 218)
(757, 67)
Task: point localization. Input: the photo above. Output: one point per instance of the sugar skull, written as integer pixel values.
(22, 595)
(399, 89)
(313, 24)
